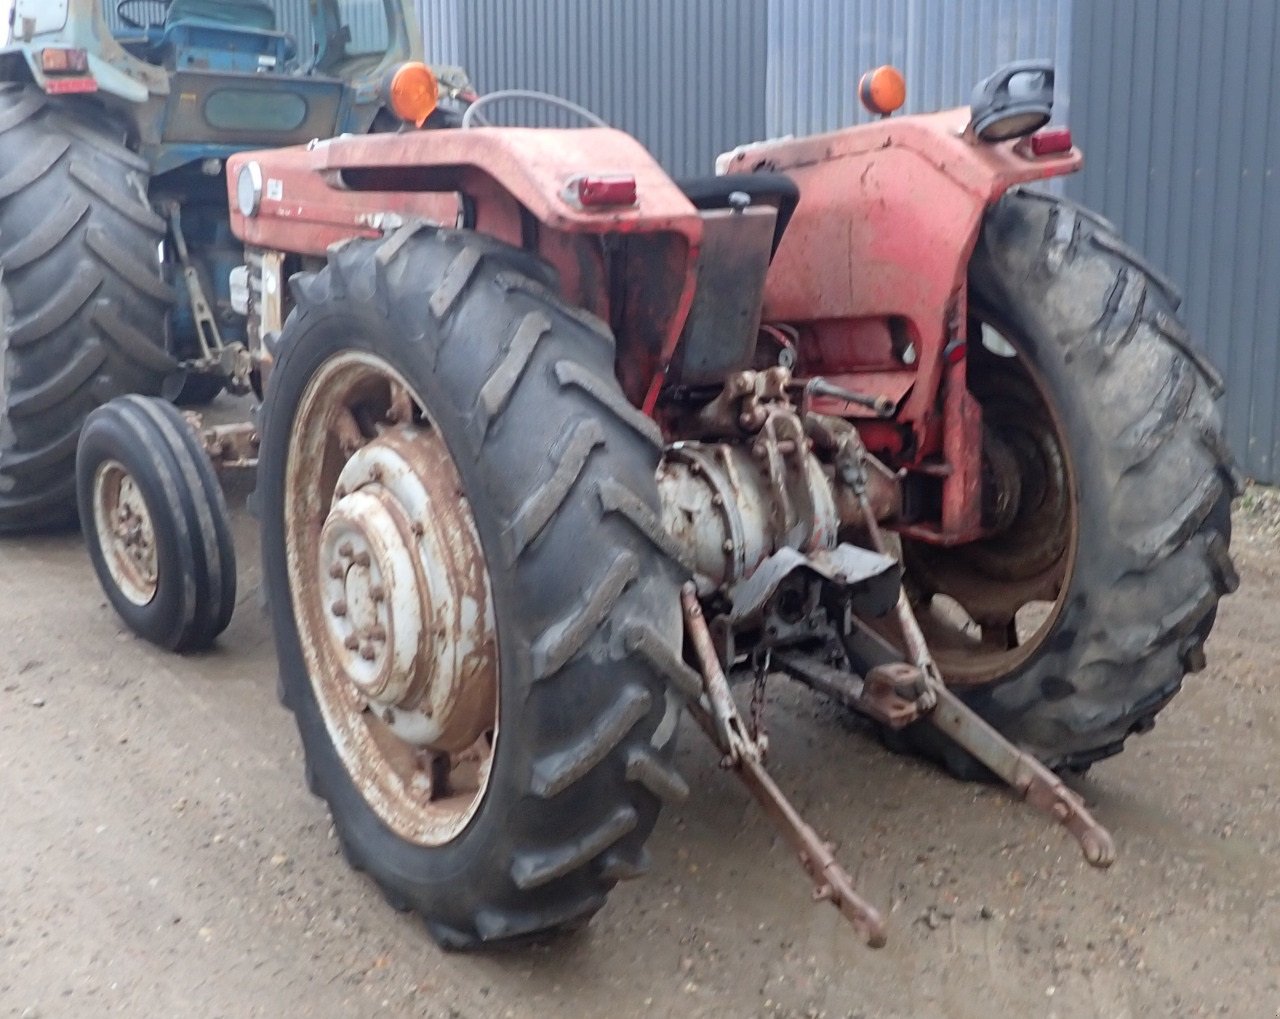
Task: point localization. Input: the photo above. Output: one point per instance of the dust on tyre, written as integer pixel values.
(156, 523)
(1075, 623)
(86, 302)
(448, 349)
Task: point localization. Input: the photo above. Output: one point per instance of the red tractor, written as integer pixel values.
(553, 448)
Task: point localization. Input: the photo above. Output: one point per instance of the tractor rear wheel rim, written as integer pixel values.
(125, 532)
(393, 599)
(987, 607)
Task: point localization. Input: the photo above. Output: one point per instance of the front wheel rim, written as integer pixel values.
(125, 533)
(392, 597)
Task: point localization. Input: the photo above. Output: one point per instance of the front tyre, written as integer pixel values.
(156, 523)
(1073, 625)
(472, 608)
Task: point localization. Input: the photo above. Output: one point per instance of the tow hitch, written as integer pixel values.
(893, 693)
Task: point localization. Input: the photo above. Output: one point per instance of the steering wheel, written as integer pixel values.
(472, 117)
(150, 4)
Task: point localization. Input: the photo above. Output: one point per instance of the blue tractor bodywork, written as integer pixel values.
(187, 83)
(202, 79)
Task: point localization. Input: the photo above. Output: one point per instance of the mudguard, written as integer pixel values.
(875, 260)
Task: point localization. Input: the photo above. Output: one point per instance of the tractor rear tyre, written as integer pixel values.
(1075, 624)
(476, 614)
(86, 306)
(156, 523)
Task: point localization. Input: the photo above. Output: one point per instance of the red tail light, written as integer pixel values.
(1051, 141)
(603, 190)
(64, 61)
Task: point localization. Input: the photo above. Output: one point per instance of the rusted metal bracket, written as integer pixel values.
(228, 446)
(721, 721)
(207, 331)
(1035, 783)
(890, 693)
(882, 405)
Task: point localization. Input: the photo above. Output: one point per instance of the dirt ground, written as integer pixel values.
(161, 856)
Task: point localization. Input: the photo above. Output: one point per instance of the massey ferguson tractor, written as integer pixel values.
(554, 449)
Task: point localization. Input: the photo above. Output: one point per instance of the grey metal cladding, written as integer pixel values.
(819, 48)
(686, 77)
(1177, 107)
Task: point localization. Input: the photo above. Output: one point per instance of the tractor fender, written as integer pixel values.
(888, 218)
(873, 269)
(513, 184)
(332, 190)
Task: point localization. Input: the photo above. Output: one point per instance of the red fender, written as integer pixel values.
(875, 256)
(515, 181)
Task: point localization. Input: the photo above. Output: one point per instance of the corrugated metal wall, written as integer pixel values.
(819, 48)
(686, 77)
(439, 22)
(1177, 107)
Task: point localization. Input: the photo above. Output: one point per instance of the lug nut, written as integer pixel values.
(338, 608)
(345, 550)
(336, 571)
(376, 592)
(352, 642)
(361, 558)
(367, 652)
(377, 633)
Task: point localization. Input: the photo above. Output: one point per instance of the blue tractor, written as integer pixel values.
(116, 255)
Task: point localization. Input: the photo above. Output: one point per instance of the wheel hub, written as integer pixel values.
(126, 534)
(391, 594)
(402, 592)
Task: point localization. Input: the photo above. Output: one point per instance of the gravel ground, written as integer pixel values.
(162, 857)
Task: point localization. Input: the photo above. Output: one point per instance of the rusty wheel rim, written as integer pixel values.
(125, 532)
(988, 607)
(392, 598)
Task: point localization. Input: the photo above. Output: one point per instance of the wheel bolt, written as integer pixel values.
(367, 652)
(376, 592)
(352, 642)
(377, 633)
(361, 558)
(345, 550)
(336, 571)
(338, 608)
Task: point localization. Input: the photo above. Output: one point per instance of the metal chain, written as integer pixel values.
(761, 662)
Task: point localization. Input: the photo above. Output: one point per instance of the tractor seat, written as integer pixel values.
(249, 14)
(776, 189)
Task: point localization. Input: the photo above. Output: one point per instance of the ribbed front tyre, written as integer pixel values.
(156, 523)
(474, 611)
